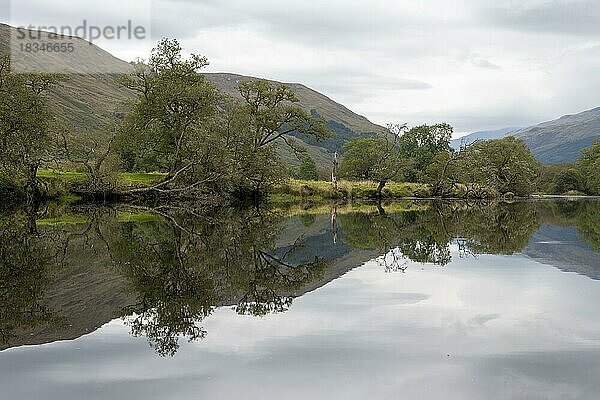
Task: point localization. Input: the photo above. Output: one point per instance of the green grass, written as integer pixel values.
(140, 179)
(63, 220)
(138, 217)
(66, 176)
(125, 179)
(290, 191)
(298, 190)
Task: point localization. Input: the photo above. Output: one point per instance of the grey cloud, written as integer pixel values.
(356, 83)
(322, 24)
(486, 64)
(558, 17)
(416, 52)
(478, 116)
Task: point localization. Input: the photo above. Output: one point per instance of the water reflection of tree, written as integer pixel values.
(184, 266)
(180, 264)
(588, 223)
(268, 281)
(416, 235)
(582, 214)
(167, 275)
(25, 272)
(493, 228)
(425, 235)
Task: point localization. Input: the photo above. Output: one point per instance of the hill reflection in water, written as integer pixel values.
(66, 272)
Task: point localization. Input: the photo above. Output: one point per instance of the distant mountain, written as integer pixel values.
(482, 135)
(562, 247)
(554, 142)
(91, 99)
(561, 141)
(343, 122)
(310, 99)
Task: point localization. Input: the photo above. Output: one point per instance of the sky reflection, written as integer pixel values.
(497, 327)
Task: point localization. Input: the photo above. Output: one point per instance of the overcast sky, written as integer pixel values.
(474, 64)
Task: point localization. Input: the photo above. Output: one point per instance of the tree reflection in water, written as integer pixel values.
(182, 267)
(179, 264)
(25, 270)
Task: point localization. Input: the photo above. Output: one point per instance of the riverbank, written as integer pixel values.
(294, 190)
(70, 187)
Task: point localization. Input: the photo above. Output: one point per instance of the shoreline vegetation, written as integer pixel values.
(216, 148)
(69, 187)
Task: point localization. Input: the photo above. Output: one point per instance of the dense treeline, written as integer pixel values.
(182, 125)
(483, 169)
(202, 141)
(205, 143)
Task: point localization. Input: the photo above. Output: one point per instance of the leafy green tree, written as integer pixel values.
(546, 181)
(266, 118)
(274, 114)
(28, 130)
(443, 174)
(589, 168)
(171, 126)
(378, 159)
(503, 165)
(360, 158)
(252, 169)
(421, 144)
(307, 170)
(568, 180)
(204, 140)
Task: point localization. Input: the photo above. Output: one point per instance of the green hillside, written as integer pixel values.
(561, 140)
(92, 99)
(309, 99)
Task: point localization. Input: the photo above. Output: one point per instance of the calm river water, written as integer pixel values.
(408, 300)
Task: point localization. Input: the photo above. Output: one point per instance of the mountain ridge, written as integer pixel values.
(482, 135)
(561, 140)
(310, 99)
(92, 100)
(557, 141)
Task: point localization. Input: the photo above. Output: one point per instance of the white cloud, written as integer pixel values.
(476, 65)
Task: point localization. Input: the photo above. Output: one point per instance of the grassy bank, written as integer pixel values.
(124, 180)
(62, 184)
(298, 190)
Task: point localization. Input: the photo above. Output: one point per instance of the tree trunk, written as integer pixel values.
(380, 208)
(334, 171)
(32, 187)
(380, 188)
